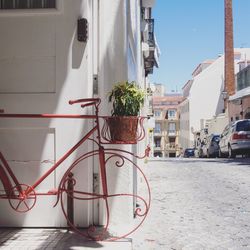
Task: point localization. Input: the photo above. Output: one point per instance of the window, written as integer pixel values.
(243, 78)
(157, 154)
(27, 4)
(157, 128)
(172, 140)
(158, 143)
(157, 113)
(171, 114)
(171, 128)
(243, 126)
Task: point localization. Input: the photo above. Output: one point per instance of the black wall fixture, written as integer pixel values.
(82, 30)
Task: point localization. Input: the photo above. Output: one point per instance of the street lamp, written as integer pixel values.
(224, 95)
(225, 99)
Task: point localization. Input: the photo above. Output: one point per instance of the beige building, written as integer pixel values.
(167, 125)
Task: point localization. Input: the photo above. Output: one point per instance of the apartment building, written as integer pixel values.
(167, 125)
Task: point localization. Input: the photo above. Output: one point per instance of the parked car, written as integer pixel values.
(211, 148)
(189, 152)
(201, 149)
(235, 139)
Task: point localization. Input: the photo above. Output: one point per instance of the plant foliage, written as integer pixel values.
(127, 98)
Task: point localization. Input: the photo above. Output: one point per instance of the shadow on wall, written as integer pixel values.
(113, 67)
(220, 103)
(78, 49)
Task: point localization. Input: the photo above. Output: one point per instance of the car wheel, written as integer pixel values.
(208, 155)
(221, 155)
(200, 154)
(231, 153)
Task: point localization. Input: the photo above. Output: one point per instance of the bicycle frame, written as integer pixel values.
(90, 102)
(22, 192)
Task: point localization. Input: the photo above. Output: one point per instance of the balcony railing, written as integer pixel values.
(172, 133)
(173, 117)
(171, 146)
(157, 131)
(152, 53)
(151, 39)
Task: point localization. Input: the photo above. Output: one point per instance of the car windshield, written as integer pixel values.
(216, 138)
(243, 126)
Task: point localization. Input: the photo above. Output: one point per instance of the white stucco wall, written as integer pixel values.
(48, 39)
(205, 94)
(42, 66)
(119, 60)
(184, 137)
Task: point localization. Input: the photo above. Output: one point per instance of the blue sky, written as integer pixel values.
(191, 31)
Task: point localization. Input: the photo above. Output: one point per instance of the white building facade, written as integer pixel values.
(205, 96)
(46, 60)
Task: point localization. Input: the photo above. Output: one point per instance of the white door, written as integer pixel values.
(42, 66)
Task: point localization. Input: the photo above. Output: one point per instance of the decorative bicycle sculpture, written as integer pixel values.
(22, 197)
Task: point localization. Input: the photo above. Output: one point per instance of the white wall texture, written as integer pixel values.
(184, 137)
(205, 97)
(119, 59)
(42, 66)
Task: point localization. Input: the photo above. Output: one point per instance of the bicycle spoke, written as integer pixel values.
(21, 202)
(18, 205)
(26, 204)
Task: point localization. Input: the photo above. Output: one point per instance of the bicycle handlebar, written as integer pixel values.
(87, 101)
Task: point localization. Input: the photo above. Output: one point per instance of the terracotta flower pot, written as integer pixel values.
(123, 128)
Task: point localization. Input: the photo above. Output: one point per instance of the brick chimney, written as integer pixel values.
(229, 49)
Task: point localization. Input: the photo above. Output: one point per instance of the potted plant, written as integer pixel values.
(127, 99)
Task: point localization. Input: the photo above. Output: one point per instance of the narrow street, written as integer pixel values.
(197, 204)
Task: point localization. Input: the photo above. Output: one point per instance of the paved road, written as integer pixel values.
(197, 204)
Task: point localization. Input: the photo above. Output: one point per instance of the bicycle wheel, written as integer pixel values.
(77, 196)
(22, 198)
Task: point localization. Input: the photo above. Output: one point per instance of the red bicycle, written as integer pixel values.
(22, 197)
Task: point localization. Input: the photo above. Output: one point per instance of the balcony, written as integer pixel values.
(157, 133)
(171, 146)
(157, 148)
(158, 118)
(150, 40)
(172, 133)
(150, 49)
(148, 34)
(172, 118)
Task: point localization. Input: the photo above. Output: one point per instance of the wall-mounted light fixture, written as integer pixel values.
(82, 30)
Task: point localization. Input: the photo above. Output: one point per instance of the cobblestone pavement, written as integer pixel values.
(197, 204)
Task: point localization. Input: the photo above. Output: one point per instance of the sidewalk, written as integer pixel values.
(33, 238)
